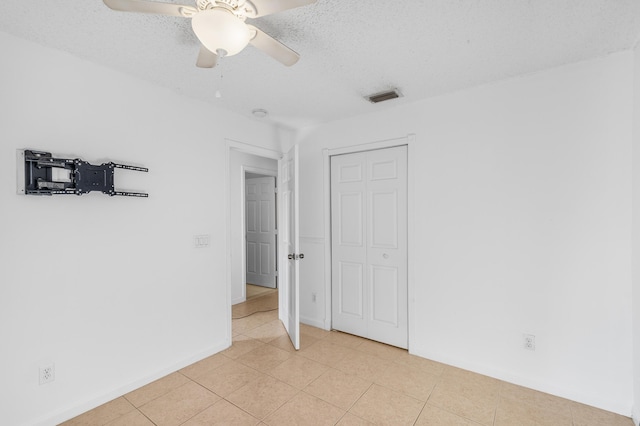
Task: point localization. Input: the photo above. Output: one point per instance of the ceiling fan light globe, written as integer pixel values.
(219, 29)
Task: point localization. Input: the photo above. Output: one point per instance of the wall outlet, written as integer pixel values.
(529, 342)
(201, 241)
(47, 373)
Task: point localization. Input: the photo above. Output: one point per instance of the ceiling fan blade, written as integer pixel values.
(206, 58)
(267, 7)
(144, 6)
(273, 47)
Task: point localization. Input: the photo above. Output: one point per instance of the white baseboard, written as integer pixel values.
(327, 324)
(571, 394)
(89, 404)
(636, 416)
(313, 322)
(238, 300)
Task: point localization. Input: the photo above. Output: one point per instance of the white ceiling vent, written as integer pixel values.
(384, 96)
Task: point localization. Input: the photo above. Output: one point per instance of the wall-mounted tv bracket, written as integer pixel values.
(46, 175)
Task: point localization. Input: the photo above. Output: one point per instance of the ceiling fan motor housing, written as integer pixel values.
(220, 25)
(219, 29)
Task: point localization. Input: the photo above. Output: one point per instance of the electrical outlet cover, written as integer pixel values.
(529, 342)
(47, 373)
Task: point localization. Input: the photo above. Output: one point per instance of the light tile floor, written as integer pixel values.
(335, 379)
(254, 291)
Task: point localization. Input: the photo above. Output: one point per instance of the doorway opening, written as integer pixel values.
(282, 167)
(260, 243)
(253, 162)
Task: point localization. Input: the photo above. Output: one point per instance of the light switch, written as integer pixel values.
(201, 241)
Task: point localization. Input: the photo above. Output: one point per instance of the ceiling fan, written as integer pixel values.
(220, 25)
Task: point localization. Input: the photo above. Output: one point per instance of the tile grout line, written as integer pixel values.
(283, 404)
(206, 408)
(242, 409)
(359, 398)
(499, 397)
(147, 417)
(421, 410)
(448, 411)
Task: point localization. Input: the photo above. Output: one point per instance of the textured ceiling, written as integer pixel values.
(348, 48)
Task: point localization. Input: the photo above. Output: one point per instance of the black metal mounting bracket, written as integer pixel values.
(45, 174)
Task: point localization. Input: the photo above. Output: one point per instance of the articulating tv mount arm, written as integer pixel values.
(46, 175)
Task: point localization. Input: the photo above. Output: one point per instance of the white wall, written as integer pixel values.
(240, 160)
(311, 273)
(636, 237)
(523, 216)
(110, 289)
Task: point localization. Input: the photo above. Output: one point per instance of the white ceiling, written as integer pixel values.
(348, 48)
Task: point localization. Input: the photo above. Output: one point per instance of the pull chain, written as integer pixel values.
(221, 54)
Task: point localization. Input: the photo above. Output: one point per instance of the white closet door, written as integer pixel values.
(369, 244)
(387, 245)
(348, 244)
(260, 194)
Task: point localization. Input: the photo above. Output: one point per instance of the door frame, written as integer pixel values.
(232, 145)
(243, 219)
(409, 141)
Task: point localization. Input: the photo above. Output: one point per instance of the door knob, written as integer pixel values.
(385, 255)
(290, 257)
(301, 255)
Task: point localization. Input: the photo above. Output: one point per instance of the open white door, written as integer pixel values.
(289, 245)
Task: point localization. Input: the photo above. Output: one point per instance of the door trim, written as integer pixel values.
(409, 141)
(231, 145)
